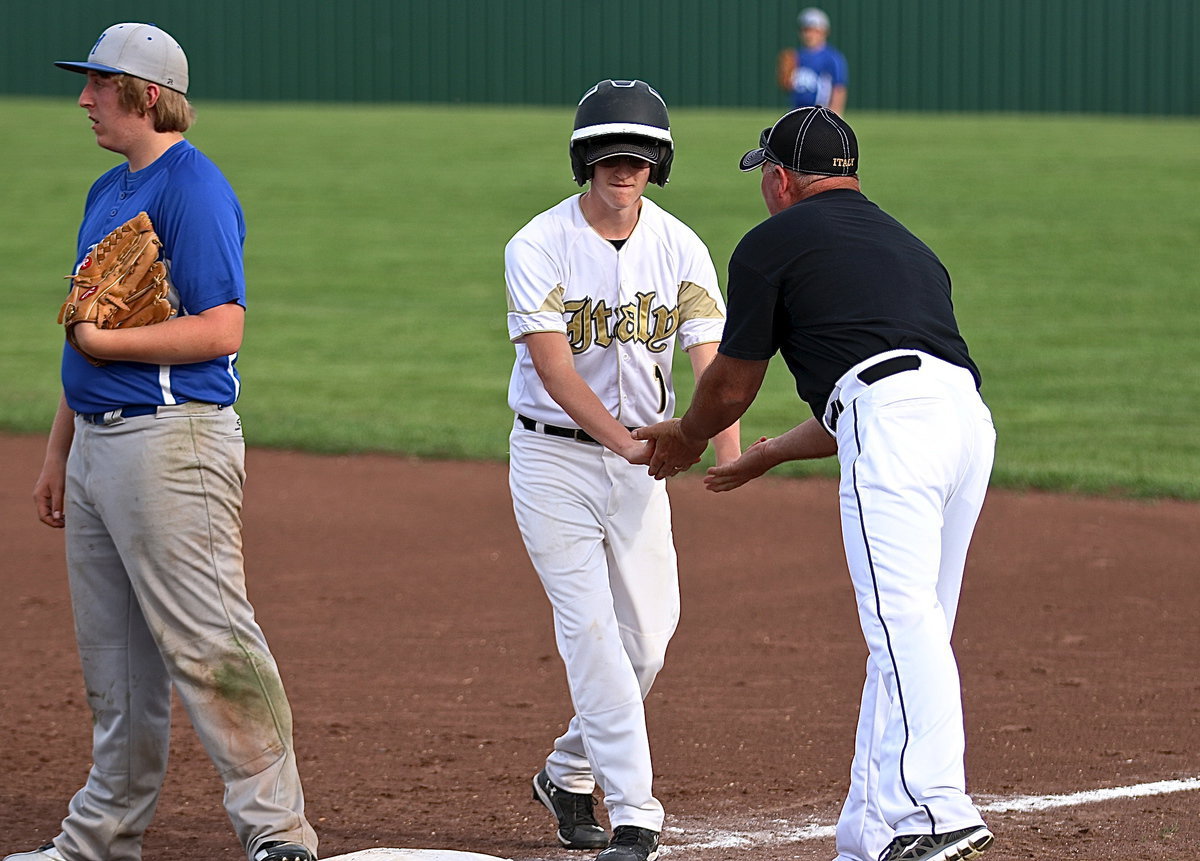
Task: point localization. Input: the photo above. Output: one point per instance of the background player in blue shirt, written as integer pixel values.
(144, 470)
(815, 73)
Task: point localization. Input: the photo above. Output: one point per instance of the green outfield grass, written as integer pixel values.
(375, 267)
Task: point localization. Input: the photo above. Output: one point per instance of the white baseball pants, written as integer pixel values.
(154, 557)
(916, 452)
(598, 532)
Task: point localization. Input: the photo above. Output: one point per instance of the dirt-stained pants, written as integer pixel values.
(154, 556)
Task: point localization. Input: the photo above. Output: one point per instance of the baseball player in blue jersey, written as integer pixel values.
(860, 310)
(144, 470)
(601, 287)
(814, 74)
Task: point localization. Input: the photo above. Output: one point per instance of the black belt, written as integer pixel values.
(873, 374)
(119, 413)
(553, 430)
(888, 367)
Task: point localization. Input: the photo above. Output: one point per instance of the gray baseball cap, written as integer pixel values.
(141, 50)
(813, 17)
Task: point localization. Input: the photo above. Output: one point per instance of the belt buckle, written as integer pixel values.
(111, 417)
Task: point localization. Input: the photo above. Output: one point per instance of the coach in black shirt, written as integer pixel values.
(857, 284)
(860, 309)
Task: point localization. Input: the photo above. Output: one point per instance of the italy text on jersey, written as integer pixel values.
(593, 322)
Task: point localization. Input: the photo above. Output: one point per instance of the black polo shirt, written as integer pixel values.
(831, 281)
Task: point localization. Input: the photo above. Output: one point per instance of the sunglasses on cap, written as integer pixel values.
(765, 146)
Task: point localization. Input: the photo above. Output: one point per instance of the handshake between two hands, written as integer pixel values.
(671, 452)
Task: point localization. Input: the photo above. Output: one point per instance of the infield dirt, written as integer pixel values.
(417, 649)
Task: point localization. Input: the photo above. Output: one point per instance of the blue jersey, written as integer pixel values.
(199, 220)
(816, 73)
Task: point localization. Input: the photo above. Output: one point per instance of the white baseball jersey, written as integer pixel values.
(621, 311)
(597, 528)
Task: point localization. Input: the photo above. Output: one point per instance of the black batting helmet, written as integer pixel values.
(622, 118)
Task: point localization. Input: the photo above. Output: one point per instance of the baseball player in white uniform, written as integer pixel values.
(860, 310)
(600, 288)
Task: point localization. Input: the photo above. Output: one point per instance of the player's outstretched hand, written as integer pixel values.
(753, 463)
(672, 451)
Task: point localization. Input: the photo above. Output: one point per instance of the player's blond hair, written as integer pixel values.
(172, 112)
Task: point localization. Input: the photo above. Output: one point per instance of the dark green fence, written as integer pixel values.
(1126, 56)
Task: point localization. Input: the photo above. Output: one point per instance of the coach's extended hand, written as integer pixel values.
(673, 451)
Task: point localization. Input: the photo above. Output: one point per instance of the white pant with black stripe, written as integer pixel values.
(598, 531)
(916, 452)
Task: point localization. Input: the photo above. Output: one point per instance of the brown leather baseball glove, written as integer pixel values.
(120, 284)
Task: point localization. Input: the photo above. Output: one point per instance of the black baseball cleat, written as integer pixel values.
(630, 843)
(575, 812)
(961, 845)
(279, 851)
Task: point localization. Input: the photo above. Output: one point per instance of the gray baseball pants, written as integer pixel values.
(154, 557)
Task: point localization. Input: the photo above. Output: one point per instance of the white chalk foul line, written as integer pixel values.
(728, 839)
(780, 831)
(1027, 803)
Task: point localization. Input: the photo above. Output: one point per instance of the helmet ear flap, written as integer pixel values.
(661, 172)
(581, 171)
